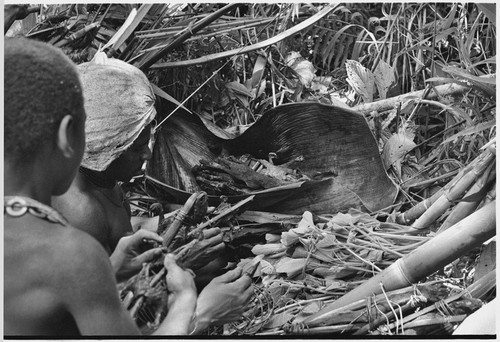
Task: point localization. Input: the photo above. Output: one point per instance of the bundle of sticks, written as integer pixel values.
(145, 294)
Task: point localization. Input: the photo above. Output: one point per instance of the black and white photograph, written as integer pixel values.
(249, 170)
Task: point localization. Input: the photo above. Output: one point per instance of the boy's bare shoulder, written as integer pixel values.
(78, 201)
(38, 253)
(63, 246)
(83, 261)
(77, 242)
(83, 210)
(55, 270)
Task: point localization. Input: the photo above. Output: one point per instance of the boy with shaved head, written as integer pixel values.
(58, 280)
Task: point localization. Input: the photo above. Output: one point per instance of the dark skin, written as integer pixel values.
(110, 219)
(224, 299)
(58, 280)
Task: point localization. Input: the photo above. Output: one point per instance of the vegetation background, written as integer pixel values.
(229, 63)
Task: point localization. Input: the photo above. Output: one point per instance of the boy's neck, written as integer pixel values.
(20, 181)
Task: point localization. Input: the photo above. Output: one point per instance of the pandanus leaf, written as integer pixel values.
(333, 146)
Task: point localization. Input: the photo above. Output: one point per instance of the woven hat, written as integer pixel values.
(119, 102)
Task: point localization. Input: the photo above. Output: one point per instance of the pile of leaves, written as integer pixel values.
(344, 246)
(307, 263)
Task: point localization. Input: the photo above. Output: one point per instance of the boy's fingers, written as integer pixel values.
(218, 248)
(149, 255)
(144, 234)
(245, 280)
(229, 276)
(169, 261)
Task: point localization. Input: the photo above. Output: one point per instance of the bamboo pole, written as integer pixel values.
(416, 211)
(483, 285)
(454, 192)
(491, 195)
(464, 209)
(433, 255)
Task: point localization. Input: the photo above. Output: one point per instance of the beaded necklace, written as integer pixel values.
(17, 206)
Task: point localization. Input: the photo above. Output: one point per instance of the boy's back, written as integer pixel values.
(44, 277)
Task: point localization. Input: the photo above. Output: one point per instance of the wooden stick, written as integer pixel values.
(437, 91)
(128, 299)
(171, 231)
(225, 212)
(137, 305)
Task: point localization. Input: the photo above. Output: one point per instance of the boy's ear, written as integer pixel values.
(64, 136)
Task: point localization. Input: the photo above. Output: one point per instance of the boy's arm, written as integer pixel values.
(89, 290)
(181, 301)
(91, 294)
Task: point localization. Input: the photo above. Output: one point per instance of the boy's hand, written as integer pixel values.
(180, 282)
(224, 299)
(205, 250)
(132, 251)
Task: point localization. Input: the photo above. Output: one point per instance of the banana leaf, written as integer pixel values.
(333, 146)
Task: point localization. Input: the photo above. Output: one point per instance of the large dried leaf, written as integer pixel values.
(331, 145)
(180, 143)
